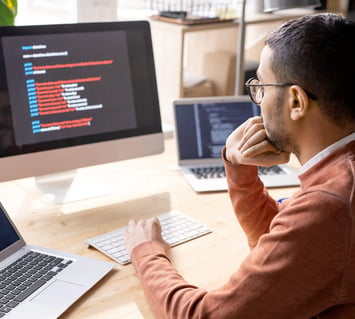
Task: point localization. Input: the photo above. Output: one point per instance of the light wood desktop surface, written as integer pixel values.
(141, 188)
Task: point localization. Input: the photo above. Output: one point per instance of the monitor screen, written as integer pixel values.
(76, 95)
(202, 127)
(8, 234)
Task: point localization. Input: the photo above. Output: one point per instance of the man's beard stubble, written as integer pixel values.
(276, 131)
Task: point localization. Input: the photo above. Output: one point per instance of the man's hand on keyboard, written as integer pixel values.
(248, 145)
(142, 231)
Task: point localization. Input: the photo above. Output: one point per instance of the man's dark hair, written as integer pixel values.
(317, 52)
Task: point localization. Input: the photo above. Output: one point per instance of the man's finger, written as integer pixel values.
(263, 147)
(257, 137)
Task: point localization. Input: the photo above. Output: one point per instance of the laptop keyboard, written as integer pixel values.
(208, 172)
(23, 277)
(177, 228)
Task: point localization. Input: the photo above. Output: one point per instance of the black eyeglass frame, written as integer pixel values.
(261, 85)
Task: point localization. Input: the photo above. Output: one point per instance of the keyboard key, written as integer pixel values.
(5, 309)
(4, 301)
(12, 304)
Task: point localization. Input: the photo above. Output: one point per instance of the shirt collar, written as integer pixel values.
(324, 153)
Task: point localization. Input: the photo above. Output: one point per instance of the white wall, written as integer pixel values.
(32, 12)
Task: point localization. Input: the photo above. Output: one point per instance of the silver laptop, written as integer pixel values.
(37, 282)
(201, 128)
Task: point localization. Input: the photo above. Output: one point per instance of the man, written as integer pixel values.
(302, 258)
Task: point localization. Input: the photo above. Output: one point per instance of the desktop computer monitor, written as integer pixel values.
(76, 95)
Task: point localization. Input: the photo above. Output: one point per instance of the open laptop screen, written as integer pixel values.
(8, 234)
(202, 128)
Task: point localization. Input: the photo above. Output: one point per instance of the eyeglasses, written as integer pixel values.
(255, 89)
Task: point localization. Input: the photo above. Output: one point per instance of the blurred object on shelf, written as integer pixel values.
(183, 17)
(195, 11)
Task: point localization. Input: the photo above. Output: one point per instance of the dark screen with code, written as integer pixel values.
(203, 128)
(62, 87)
(8, 234)
(69, 85)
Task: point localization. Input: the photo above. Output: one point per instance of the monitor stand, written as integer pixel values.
(70, 186)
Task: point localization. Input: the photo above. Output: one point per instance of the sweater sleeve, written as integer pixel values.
(251, 202)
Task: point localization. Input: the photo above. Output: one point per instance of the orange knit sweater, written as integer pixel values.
(302, 259)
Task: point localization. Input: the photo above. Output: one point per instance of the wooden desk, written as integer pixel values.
(141, 188)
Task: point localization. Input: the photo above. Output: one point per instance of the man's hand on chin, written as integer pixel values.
(248, 145)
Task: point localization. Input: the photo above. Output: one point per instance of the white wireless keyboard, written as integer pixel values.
(177, 228)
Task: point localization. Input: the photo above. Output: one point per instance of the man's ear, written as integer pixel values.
(298, 102)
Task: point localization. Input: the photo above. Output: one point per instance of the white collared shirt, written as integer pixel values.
(324, 153)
